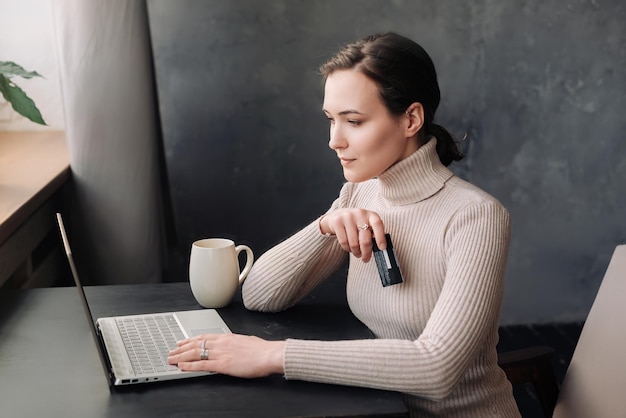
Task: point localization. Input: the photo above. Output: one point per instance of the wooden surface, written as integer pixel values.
(33, 165)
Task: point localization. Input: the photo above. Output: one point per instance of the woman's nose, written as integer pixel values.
(336, 138)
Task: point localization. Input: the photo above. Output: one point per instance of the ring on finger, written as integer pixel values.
(204, 354)
(364, 227)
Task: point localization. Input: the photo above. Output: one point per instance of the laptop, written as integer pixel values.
(133, 348)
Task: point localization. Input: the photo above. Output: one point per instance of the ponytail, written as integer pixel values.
(447, 146)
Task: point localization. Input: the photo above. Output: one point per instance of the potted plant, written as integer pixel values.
(20, 102)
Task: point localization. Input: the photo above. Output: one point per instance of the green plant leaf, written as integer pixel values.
(10, 69)
(20, 102)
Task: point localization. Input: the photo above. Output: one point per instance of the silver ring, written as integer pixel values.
(364, 227)
(204, 354)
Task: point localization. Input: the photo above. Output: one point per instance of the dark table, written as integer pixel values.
(49, 365)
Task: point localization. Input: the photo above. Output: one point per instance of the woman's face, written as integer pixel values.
(366, 137)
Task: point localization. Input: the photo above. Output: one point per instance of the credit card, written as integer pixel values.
(387, 263)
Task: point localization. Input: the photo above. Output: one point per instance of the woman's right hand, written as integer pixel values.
(354, 229)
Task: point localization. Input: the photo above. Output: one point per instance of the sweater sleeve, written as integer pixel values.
(467, 310)
(289, 271)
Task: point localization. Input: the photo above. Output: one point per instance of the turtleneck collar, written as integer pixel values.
(415, 178)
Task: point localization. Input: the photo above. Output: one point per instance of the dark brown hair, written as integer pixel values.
(405, 74)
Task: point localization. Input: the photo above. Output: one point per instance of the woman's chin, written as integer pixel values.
(353, 177)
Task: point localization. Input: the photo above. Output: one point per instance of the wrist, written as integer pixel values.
(322, 227)
(278, 357)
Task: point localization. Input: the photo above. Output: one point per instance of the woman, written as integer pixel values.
(437, 330)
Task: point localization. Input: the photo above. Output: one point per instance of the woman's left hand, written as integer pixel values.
(231, 354)
(354, 229)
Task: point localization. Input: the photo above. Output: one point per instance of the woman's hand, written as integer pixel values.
(231, 354)
(354, 229)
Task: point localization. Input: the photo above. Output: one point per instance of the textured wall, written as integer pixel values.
(539, 87)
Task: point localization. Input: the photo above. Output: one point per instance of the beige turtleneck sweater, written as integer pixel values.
(437, 331)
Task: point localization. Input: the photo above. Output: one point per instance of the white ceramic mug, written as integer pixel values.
(214, 270)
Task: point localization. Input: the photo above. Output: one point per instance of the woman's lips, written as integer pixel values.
(346, 161)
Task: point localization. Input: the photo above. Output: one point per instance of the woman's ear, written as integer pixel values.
(415, 115)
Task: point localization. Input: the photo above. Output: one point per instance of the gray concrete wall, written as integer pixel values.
(539, 86)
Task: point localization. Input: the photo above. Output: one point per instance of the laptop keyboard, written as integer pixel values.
(148, 341)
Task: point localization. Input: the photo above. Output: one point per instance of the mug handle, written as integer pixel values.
(249, 261)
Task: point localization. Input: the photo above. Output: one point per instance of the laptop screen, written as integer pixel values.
(83, 297)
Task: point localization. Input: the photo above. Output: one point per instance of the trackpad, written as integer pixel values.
(196, 332)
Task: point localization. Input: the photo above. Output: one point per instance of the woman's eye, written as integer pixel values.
(330, 120)
(354, 122)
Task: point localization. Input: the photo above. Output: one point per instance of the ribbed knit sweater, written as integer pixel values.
(436, 333)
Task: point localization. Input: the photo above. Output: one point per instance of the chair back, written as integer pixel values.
(595, 381)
